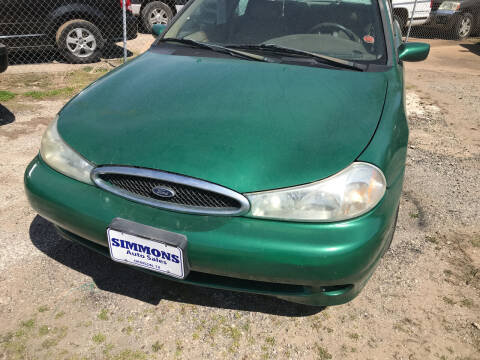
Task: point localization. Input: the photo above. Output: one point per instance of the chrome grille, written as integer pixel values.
(190, 195)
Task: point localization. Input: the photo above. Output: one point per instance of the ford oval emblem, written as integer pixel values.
(163, 192)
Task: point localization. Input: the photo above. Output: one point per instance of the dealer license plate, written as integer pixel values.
(149, 254)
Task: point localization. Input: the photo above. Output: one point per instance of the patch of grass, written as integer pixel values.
(87, 69)
(48, 343)
(101, 70)
(178, 348)
(129, 355)
(29, 324)
(354, 336)
(476, 242)
(6, 95)
(13, 347)
(7, 337)
(58, 334)
(270, 340)
(99, 338)
(156, 347)
(43, 308)
(127, 330)
(414, 215)
(466, 303)
(20, 333)
(195, 336)
(401, 325)
(108, 348)
(234, 334)
(59, 314)
(246, 326)
(329, 330)
(79, 79)
(322, 353)
(43, 330)
(317, 325)
(448, 301)
(103, 315)
(40, 80)
(431, 239)
(44, 94)
(212, 331)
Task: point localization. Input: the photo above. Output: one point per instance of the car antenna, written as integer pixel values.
(411, 19)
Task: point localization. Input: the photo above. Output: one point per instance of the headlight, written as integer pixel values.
(348, 194)
(449, 5)
(58, 155)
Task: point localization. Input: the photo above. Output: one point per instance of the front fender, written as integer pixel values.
(388, 147)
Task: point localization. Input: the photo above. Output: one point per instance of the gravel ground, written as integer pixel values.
(59, 300)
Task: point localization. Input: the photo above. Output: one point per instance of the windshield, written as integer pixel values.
(345, 29)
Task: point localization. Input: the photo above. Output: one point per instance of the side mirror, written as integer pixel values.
(157, 29)
(413, 51)
(3, 58)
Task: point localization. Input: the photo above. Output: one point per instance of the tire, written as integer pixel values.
(464, 26)
(156, 12)
(80, 42)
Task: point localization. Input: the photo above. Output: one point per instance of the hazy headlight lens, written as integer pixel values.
(449, 5)
(348, 194)
(58, 155)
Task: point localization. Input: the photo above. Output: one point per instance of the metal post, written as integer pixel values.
(411, 19)
(124, 8)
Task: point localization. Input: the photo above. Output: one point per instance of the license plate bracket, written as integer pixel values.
(148, 247)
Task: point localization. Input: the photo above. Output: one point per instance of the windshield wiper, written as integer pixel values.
(217, 48)
(318, 57)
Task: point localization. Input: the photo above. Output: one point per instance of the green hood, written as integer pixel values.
(242, 124)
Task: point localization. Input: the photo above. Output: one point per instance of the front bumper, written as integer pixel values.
(316, 264)
(443, 19)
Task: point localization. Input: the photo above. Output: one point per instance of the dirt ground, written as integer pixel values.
(61, 301)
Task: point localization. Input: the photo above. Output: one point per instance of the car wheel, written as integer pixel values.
(156, 12)
(80, 41)
(464, 26)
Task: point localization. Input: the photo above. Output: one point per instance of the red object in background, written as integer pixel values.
(369, 39)
(128, 3)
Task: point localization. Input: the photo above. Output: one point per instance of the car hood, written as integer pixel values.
(245, 125)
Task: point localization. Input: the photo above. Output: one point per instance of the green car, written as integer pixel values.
(258, 146)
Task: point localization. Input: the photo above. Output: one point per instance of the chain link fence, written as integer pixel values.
(86, 31)
(80, 31)
(443, 19)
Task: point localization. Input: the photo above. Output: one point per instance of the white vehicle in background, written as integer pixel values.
(153, 12)
(403, 9)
